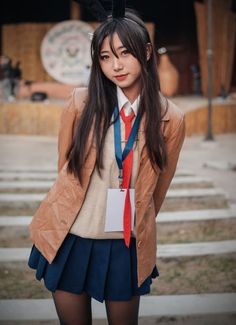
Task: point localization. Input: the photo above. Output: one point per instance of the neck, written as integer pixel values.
(132, 93)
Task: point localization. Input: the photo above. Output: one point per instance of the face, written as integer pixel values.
(123, 70)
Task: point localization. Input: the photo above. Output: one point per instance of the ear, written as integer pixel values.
(148, 50)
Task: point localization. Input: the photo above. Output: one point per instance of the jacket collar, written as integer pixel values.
(165, 116)
(141, 132)
(164, 108)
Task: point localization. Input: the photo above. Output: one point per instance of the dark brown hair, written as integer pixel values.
(102, 96)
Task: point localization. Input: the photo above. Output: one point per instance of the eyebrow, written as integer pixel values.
(119, 48)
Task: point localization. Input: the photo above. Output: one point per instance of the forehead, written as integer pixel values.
(111, 41)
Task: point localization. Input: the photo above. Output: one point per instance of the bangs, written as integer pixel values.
(130, 34)
(125, 34)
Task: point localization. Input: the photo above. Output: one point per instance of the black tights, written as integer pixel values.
(75, 309)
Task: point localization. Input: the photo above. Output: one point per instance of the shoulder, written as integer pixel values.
(170, 111)
(78, 98)
(173, 117)
(74, 106)
(176, 115)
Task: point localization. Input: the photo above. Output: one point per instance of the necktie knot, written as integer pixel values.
(129, 118)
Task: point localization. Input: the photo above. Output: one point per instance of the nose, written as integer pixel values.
(117, 65)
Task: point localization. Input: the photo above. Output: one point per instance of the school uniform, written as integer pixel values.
(72, 251)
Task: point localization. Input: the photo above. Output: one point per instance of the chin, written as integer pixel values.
(124, 84)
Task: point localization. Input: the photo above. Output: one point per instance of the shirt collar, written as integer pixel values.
(124, 102)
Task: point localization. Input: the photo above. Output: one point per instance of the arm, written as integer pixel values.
(173, 147)
(65, 133)
(69, 116)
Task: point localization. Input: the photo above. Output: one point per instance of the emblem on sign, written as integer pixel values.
(65, 52)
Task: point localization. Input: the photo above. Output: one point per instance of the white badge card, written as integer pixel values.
(115, 209)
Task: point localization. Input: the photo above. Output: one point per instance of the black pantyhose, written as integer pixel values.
(73, 309)
(123, 312)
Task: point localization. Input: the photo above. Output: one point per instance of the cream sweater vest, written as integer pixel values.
(90, 221)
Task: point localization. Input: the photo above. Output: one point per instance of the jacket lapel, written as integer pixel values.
(141, 137)
(141, 132)
(91, 158)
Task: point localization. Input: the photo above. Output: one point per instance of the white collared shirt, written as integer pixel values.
(124, 102)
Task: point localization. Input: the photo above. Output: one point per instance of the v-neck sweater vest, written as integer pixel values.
(90, 221)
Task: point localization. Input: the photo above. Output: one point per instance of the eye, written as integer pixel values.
(125, 52)
(104, 57)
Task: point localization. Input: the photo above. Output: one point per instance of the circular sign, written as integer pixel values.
(65, 52)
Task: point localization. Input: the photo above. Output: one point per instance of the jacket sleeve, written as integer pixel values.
(66, 128)
(173, 147)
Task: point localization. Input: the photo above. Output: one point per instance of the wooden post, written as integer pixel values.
(75, 12)
(209, 135)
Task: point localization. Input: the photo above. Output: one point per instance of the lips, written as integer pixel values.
(121, 77)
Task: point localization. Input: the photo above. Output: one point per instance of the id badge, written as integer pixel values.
(115, 209)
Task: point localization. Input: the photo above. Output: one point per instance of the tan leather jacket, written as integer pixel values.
(57, 212)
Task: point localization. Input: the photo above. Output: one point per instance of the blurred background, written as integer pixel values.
(44, 54)
(36, 69)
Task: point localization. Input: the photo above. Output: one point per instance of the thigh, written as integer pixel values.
(123, 312)
(72, 308)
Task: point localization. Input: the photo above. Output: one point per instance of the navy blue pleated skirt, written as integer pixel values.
(103, 268)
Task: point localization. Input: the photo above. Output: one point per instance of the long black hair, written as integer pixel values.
(102, 96)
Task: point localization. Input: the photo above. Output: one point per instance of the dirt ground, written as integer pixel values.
(174, 232)
(185, 204)
(207, 184)
(14, 211)
(46, 189)
(186, 275)
(199, 274)
(196, 231)
(14, 237)
(170, 204)
(24, 191)
(226, 319)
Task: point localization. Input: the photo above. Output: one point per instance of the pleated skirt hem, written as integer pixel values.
(103, 268)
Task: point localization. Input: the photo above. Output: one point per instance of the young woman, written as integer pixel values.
(119, 140)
